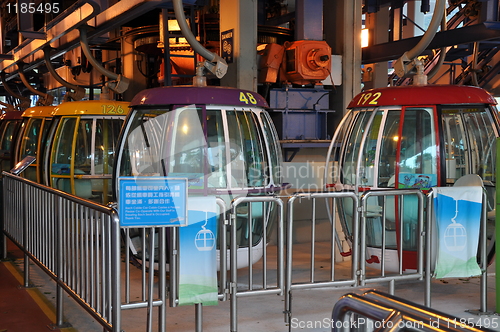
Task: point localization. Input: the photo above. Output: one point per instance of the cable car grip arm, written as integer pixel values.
(214, 63)
(405, 64)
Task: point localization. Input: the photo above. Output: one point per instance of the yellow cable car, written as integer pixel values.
(31, 138)
(81, 146)
(9, 125)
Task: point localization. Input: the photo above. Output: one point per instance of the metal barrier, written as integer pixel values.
(84, 259)
(265, 287)
(483, 255)
(398, 197)
(382, 312)
(313, 282)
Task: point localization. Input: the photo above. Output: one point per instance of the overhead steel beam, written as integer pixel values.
(64, 36)
(469, 34)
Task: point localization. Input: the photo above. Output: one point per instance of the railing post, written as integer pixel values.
(25, 241)
(428, 254)
(162, 276)
(484, 256)
(234, 272)
(3, 238)
(115, 272)
(288, 265)
(59, 260)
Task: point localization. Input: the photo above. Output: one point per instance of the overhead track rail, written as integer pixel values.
(72, 18)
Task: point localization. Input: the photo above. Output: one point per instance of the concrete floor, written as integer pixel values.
(311, 309)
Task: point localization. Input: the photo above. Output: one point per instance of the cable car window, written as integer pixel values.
(470, 143)
(272, 138)
(218, 151)
(249, 166)
(83, 148)
(188, 142)
(30, 139)
(388, 150)
(8, 134)
(29, 146)
(483, 144)
(63, 162)
(352, 149)
(8, 129)
(143, 145)
(455, 145)
(418, 151)
(107, 131)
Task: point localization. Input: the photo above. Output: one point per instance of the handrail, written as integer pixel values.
(390, 313)
(34, 207)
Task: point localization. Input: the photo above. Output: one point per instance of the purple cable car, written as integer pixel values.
(221, 139)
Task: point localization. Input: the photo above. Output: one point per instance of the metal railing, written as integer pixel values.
(408, 228)
(84, 258)
(252, 288)
(313, 281)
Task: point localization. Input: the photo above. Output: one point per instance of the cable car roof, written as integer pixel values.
(39, 111)
(92, 107)
(422, 95)
(11, 115)
(208, 95)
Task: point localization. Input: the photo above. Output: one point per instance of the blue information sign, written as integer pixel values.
(152, 201)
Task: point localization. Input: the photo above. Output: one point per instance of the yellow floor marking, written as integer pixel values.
(42, 302)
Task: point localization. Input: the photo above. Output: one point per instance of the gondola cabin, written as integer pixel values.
(31, 139)
(81, 147)
(221, 139)
(413, 137)
(10, 123)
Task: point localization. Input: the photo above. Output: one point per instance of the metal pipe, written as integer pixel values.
(403, 65)
(220, 66)
(442, 53)
(122, 82)
(428, 241)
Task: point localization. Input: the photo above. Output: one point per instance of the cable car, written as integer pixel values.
(81, 145)
(221, 139)
(31, 138)
(10, 122)
(413, 137)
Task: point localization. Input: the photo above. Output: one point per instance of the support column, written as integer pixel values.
(375, 75)
(129, 68)
(240, 16)
(343, 34)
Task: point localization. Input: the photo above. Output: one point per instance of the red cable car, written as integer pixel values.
(414, 137)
